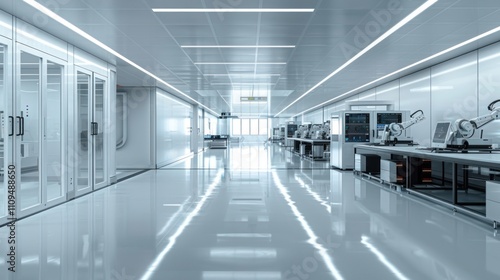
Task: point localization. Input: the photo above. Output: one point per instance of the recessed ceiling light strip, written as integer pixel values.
(87, 36)
(236, 47)
(240, 63)
(230, 10)
(242, 75)
(389, 32)
(464, 43)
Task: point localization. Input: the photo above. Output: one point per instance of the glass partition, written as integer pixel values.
(27, 123)
(3, 134)
(53, 131)
(83, 93)
(99, 138)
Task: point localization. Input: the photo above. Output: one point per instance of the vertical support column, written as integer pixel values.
(194, 130)
(454, 180)
(409, 172)
(466, 178)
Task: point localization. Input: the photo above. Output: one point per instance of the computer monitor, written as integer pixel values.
(441, 134)
(387, 118)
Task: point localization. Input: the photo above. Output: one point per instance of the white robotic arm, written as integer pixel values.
(396, 129)
(466, 128)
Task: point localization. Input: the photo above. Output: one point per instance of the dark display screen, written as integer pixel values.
(441, 132)
(388, 118)
(357, 127)
(291, 130)
(384, 119)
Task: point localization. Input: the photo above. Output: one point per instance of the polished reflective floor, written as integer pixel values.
(249, 212)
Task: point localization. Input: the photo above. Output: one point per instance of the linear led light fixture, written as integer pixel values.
(241, 75)
(457, 46)
(388, 33)
(242, 84)
(240, 63)
(100, 44)
(237, 47)
(230, 10)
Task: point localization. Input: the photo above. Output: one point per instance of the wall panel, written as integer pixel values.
(5, 25)
(454, 89)
(368, 95)
(35, 38)
(137, 151)
(489, 86)
(415, 94)
(173, 123)
(389, 92)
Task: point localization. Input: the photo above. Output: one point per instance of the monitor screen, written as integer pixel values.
(384, 119)
(440, 133)
(357, 127)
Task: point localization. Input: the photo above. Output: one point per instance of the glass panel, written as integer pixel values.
(3, 133)
(28, 96)
(53, 131)
(83, 91)
(263, 126)
(99, 138)
(254, 126)
(236, 127)
(245, 127)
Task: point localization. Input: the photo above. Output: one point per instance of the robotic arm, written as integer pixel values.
(466, 128)
(396, 129)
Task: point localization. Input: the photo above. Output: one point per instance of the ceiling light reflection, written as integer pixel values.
(314, 194)
(242, 253)
(366, 241)
(171, 241)
(313, 239)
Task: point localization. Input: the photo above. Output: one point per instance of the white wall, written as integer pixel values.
(173, 123)
(138, 149)
(458, 88)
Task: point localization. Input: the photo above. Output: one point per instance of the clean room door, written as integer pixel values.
(27, 131)
(6, 126)
(38, 130)
(83, 166)
(91, 171)
(98, 137)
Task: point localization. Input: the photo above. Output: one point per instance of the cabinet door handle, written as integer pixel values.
(11, 133)
(94, 128)
(20, 126)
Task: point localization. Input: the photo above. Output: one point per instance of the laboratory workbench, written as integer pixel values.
(468, 181)
(315, 149)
